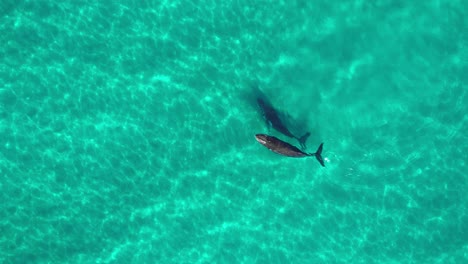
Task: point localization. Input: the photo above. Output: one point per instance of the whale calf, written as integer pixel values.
(278, 146)
(272, 118)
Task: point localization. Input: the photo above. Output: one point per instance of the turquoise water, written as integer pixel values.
(128, 131)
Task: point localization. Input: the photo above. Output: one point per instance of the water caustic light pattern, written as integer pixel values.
(128, 132)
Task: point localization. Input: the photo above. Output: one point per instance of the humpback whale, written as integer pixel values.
(272, 119)
(286, 149)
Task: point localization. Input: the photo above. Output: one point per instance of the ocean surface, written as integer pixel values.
(127, 131)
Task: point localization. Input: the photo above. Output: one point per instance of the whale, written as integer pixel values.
(272, 119)
(283, 148)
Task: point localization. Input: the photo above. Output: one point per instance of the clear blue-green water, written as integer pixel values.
(127, 131)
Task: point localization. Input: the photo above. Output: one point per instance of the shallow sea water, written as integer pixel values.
(128, 132)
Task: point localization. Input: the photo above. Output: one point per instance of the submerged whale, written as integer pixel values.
(286, 149)
(272, 118)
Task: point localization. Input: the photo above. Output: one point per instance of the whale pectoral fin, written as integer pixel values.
(268, 124)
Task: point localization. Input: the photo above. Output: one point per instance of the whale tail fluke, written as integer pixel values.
(302, 140)
(318, 155)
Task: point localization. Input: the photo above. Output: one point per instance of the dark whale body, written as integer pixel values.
(272, 118)
(286, 149)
